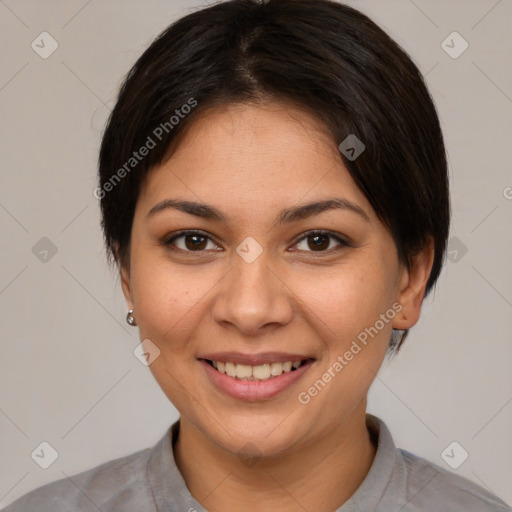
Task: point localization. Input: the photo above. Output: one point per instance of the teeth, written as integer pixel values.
(261, 372)
(276, 369)
(243, 370)
(230, 369)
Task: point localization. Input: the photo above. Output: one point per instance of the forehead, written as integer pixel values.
(261, 156)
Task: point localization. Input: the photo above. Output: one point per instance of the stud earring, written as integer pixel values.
(129, 318)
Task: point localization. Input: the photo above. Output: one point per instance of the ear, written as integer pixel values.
(412, 286)
(124, 272)
(126, 286)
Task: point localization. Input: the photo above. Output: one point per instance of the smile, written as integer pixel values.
(261, 372)
(261, 382)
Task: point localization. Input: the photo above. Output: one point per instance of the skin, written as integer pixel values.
(250, 162)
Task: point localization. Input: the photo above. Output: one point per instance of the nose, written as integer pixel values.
(252, 297)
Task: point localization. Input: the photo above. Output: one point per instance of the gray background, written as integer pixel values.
(68, 375)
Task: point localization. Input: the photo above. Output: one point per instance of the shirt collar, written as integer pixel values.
(375, 488)
(169, 489)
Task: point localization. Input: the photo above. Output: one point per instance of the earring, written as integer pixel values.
(129, 318)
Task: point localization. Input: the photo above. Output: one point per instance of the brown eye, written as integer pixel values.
(318, 241)
(192, 241)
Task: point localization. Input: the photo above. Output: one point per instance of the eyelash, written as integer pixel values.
(169, 242)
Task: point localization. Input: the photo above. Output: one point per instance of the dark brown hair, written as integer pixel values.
(320, 55)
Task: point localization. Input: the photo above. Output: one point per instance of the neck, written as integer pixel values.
(320, 475)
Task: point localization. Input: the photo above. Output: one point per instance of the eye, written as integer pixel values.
(193, 241)
(197, 241)
(320, 241)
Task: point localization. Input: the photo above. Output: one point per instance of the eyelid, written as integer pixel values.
(343, 242)
(167, 241)
(324, 232)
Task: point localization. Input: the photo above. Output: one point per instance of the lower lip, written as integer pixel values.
(253, 389)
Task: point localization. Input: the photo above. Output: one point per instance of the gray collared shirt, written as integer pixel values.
(150, 481)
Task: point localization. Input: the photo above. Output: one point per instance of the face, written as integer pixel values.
(263, 280)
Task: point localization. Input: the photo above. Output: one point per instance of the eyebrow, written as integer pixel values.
(287, 215)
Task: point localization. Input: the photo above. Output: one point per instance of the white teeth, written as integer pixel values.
(276, 369)
(261, 372)
(243, 370)
(230, 369)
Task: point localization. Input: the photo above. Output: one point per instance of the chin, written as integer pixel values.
(253, 437)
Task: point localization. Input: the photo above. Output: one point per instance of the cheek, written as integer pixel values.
(347, 299)
(170, 305)
(169, 300)
(348, 308)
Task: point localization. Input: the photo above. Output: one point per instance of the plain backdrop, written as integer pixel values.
(68, 375)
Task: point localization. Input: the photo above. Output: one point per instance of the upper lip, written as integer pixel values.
(254, 359)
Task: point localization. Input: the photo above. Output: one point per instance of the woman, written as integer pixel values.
(274, 192)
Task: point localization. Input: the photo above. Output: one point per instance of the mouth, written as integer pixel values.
(262, 372)
(262, 381)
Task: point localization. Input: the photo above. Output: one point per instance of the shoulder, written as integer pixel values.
(119, 484)
(428, 484)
